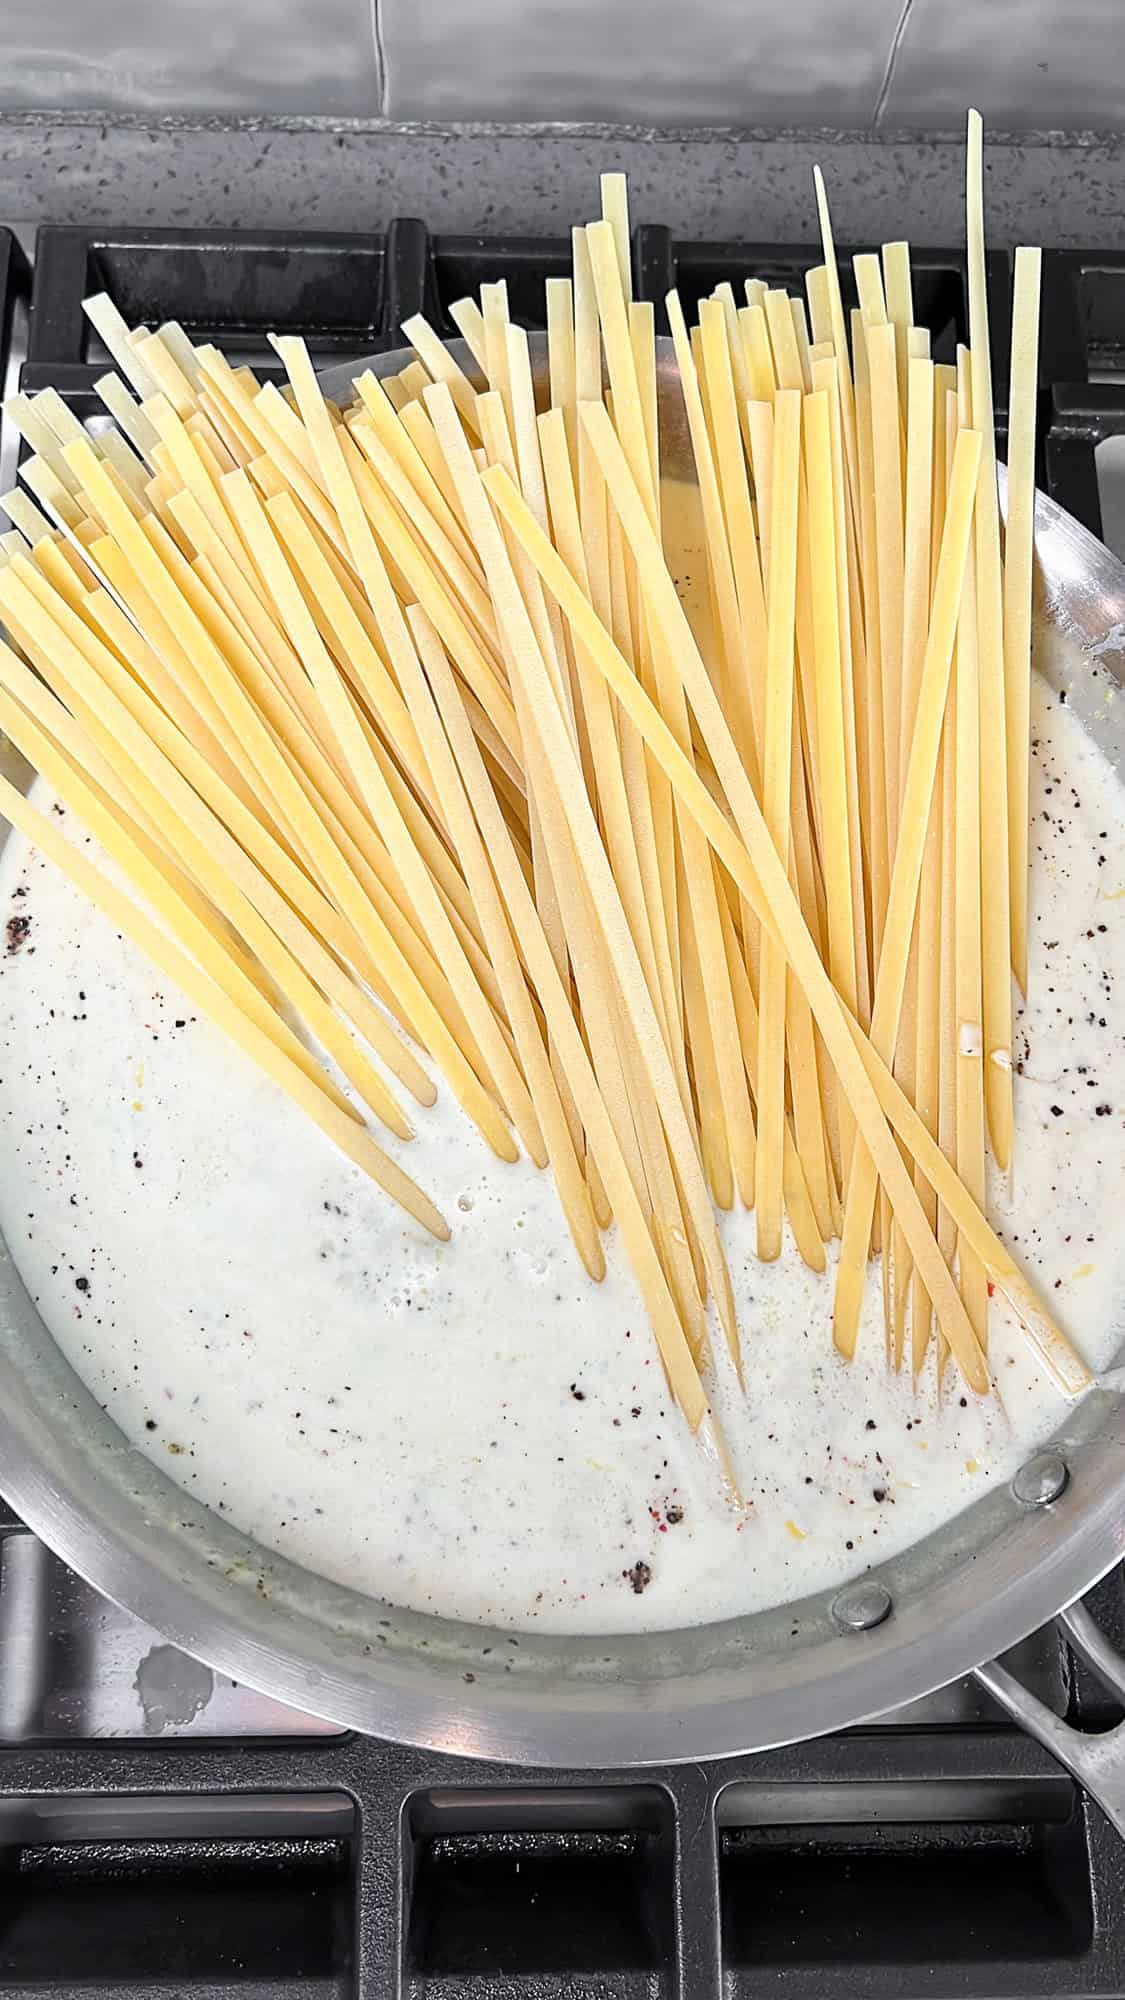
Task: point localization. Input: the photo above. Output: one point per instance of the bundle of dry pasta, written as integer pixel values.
(393, 719)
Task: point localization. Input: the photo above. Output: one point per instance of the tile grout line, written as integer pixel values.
(891, 64)
(379, 47)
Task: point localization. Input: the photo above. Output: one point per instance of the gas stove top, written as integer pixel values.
(166, 1832)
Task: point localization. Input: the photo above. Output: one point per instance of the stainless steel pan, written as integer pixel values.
(1005, 1566)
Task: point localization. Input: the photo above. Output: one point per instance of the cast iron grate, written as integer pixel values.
(1083, 339)
(15, 279)
(349, 294)
(949, 1863)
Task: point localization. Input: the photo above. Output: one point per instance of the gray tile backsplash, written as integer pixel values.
(909, 65)
(640, 62)
(215, 56)
(1026, 65)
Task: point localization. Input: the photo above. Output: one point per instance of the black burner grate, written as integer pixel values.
(349, 294)
(15, 279)
(945, 1855)
(892, 1862)
(1083, 338)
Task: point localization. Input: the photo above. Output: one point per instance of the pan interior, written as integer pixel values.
(994, 1573)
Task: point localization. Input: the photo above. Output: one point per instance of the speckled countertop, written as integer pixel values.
(1055, 188)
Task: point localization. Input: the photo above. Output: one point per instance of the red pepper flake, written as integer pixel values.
(991, 1289)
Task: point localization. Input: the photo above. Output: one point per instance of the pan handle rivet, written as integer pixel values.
(860, 1606)
(1041, 1480)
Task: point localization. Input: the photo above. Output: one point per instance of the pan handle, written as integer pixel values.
(1098, 1762)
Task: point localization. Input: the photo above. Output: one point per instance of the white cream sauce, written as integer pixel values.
(476, 1429)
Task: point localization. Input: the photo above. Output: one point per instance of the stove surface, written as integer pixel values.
(164, 1831)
